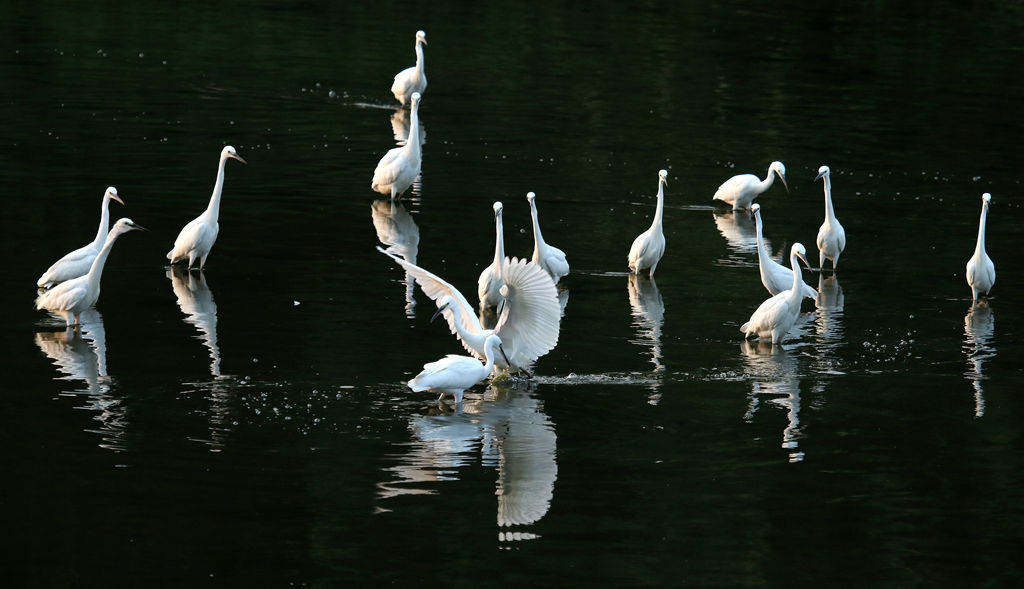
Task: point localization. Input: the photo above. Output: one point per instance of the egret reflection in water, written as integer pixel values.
(979, 326)
(196, 302)
(80, 353)
(774, 376)
(400, 127)
(740, 233)
(648, 311)
(397, 230)
(510, 431)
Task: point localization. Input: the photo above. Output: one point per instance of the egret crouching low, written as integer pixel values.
(454, 374)
(981, 272)
(78, 262)
(776, 316)
(739, 191)
(73, 296)
(831, 235)
(774, 276)
(548, 257)
(489, 284)
(397, 170)
(412, 79)
(649, 246)
(198, 236)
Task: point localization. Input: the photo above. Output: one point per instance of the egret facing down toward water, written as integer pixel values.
(78, 262)
(981, 272)
(741, 190)
(399, 167)
(649, 246)
(776, 316)
(548, 257)
(490, 282)
(198, 236)
(412, 79)
(454, 374)
(774, 276)
(71, 297)
(831, 236)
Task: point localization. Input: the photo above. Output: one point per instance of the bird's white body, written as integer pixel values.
(78, 262)
(831, 236)
(981, 272)
(454, 374)
(649, 246)
(412, 79)
(489, 284)
(70, 298)
(774, 276)
(197, 237)
(528, 319)
(396, 171)
(741, 190)
(776, 316)
(547, 256)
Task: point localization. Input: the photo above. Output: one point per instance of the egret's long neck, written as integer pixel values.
(980, 249)
(499, 242)
(762, 250)
(538, 239)
(767, 182)
(830, 213)
(96, 270)
(796, 293)
(659, 212)
(419, 58)
(475, 338)
(489, 357)
(101, 233)
(214, 207)
(413, 142)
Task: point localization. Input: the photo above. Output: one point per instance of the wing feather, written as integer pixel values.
(530, 321)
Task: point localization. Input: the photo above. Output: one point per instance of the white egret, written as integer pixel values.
(528, 318)
(981, 272)
(399, 167)
(546, 256)
(831, 236)
(413, 79)
(72, 297)
(649, 246)
(741, 190)
(196, 238)
(454, 374)
(774, 317)
(774, 276)
(398, 231)
(78, 262)
(489, 284)
(196, 302)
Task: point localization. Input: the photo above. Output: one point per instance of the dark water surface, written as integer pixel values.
(251, 425)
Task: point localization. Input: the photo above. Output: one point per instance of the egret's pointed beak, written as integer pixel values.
(117, 198)
(804, 260)
(440, 310)
(139, 227)
(237, 157)
(503, 355)
(783, 178)
(818, 177)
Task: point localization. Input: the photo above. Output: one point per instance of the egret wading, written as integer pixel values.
(831, 236)
(412, 79)
(196, 238)
(489, 284)
(399, 167)
(774, 276)
(649, 246)
(71, 297)
(741, 190)
(547, 256)
(981, 272)
(776, 316)
(78, 262)
(454, 374)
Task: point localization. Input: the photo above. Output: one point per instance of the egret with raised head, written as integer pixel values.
(981, 272)
(774, 276)
(777, 315)
(454, 374)
(78, 262)
(396, 171)
(649, 246)
(547, 256)
(412, 79)
(741, 190)
(489, 284)
(831, 235)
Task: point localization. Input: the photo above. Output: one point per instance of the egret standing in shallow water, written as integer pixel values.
(78, 262)
(739, 191)
(399, 167)
(454, 374)
(831, 236)
(490, 282)
(198, 236)
(649, 246)
(774, 276)
(548, 257)
(412, 79)
(776, 316)
(981, 272)
(73, 296)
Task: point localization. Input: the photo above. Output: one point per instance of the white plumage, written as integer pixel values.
(412, 79)
(831, 235)
(981, 272)
(78, 262)
(489, 284)
(649, 246)
(776, 316)
(196, 238)
(70, 298)
(454, 374)
(774, 276)
(741, 190)
(396, 171)
(547, 256)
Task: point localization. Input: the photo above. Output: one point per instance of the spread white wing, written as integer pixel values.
(530, 318)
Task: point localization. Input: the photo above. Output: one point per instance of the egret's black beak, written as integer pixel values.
(439, 311)
(818, 177)
(139, 227)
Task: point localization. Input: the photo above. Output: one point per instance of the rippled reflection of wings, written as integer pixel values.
(196, 302)
(80, 353)
(530, 315)
(527, 469)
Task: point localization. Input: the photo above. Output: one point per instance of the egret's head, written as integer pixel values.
(780, 169)
(421, 37)
(530, 196)
(986, 198)
(443, 304)
(415, 98)
(229, 152)
(663, 177)
(755, 208)
(124, 225)
(497, 207)
(823, 172)
(112, 194)
(799, 251)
